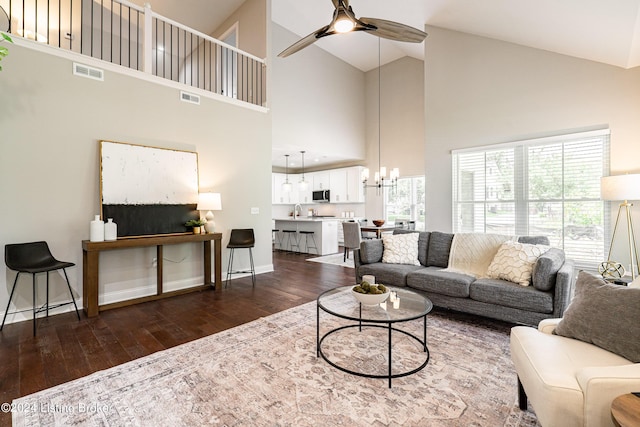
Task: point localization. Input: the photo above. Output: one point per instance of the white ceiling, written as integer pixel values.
(606, 31)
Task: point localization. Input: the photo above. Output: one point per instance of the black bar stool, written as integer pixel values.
(277, 240)
(307, 235)
(291, 235)
(242, 238)
(34, 258)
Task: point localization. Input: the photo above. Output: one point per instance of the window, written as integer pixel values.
(407, 202)
(548, 186)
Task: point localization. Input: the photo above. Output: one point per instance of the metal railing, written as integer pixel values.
(138, 38)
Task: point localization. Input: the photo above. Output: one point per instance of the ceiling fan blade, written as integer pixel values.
(394, 30)
(304, 42)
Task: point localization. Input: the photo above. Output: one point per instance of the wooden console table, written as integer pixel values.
(90, 266)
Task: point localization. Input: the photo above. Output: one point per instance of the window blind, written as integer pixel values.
(548, 186)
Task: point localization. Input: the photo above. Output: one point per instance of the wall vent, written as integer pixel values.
(189, 97)
(89, 72)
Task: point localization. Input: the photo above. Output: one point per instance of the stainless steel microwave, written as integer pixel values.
(321, 196)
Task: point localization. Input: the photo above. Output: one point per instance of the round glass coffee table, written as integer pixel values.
(368, 320)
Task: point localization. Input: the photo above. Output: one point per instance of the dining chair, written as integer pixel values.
(352, 237)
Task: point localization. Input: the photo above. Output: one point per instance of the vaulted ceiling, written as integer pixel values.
(606, 31)
(598, 30)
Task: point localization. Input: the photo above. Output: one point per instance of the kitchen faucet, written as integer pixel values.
(295, 210)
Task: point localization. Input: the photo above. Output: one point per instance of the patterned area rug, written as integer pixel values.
(266, 373)
(335, 259)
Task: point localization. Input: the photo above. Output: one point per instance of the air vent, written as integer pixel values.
(89, 72)
(189, 97)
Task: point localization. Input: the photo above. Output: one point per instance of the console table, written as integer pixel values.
(90, 266)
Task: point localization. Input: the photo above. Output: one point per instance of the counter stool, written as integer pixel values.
(291, 235)
(34, 258)
(242, 238)
(277, 241)
(306, 235)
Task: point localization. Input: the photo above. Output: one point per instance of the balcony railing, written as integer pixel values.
(123, 33)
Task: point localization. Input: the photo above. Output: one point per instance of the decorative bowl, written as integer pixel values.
(378, 222)
(370, 299)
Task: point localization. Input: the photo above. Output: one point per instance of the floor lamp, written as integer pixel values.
(625, 188)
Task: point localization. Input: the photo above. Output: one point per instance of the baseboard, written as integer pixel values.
(135, 290)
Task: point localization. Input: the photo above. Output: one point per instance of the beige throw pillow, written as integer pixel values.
(400, 248)
(514, 262)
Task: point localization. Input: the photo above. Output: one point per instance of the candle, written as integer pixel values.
(369, 278)
(396, 303)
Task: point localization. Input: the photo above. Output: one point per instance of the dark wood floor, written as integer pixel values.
(65, 348)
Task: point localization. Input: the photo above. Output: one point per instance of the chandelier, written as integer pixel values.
(286, 185)
(303, 185)
(380, 177)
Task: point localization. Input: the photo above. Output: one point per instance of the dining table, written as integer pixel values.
(376, 229)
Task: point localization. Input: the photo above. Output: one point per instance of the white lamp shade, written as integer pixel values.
(209, 202)
(620, 187)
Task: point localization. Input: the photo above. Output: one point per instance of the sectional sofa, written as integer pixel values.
(547, 296)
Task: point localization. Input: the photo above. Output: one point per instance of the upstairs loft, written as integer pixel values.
(138, 40)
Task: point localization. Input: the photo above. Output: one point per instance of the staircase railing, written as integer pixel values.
(123, 33)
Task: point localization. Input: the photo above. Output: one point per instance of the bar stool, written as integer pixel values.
(306, 235)
(34, 258)
(277, 240)
(242, 238)
(291, 234)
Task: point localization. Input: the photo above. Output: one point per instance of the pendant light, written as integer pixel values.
(303, 185)
(380, 177)
(286, 185)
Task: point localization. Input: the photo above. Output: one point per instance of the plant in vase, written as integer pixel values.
(196, 224)
(3, 50)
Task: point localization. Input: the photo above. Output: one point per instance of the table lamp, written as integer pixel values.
(623, 188)
(209, 202)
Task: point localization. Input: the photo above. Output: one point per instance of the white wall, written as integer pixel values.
(480, 91)
(50, 125)
(317, 101)
(252, 20)
(401, 123)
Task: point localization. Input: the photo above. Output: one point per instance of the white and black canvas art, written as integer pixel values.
(148, 190)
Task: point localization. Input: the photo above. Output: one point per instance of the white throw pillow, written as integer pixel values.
(400, 248)
(514, 262)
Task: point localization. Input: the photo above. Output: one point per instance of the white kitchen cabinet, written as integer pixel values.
(355, 189)
(280, 197)
(321, 181)
(338, 180)
(325, 232)
(305, 196)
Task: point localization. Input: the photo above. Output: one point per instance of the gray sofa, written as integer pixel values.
(548, 295)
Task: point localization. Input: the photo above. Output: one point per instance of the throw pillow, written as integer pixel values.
(400, 248)
(604, 315)
(439, 248)
(546, 268)
(514, 262)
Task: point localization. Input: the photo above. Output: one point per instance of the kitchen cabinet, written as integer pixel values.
(338, 180)
(355, 189)
(305, 196)
(345, 185)
(280, 197)
(321, 181)
(325, 232)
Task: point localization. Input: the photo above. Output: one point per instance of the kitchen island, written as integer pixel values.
(325, 232)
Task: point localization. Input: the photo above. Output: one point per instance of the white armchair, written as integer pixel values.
(569, 382)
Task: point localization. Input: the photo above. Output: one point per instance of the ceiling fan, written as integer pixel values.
(344, 21)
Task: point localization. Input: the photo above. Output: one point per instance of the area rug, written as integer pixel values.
(335, 259)
(266, 373)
